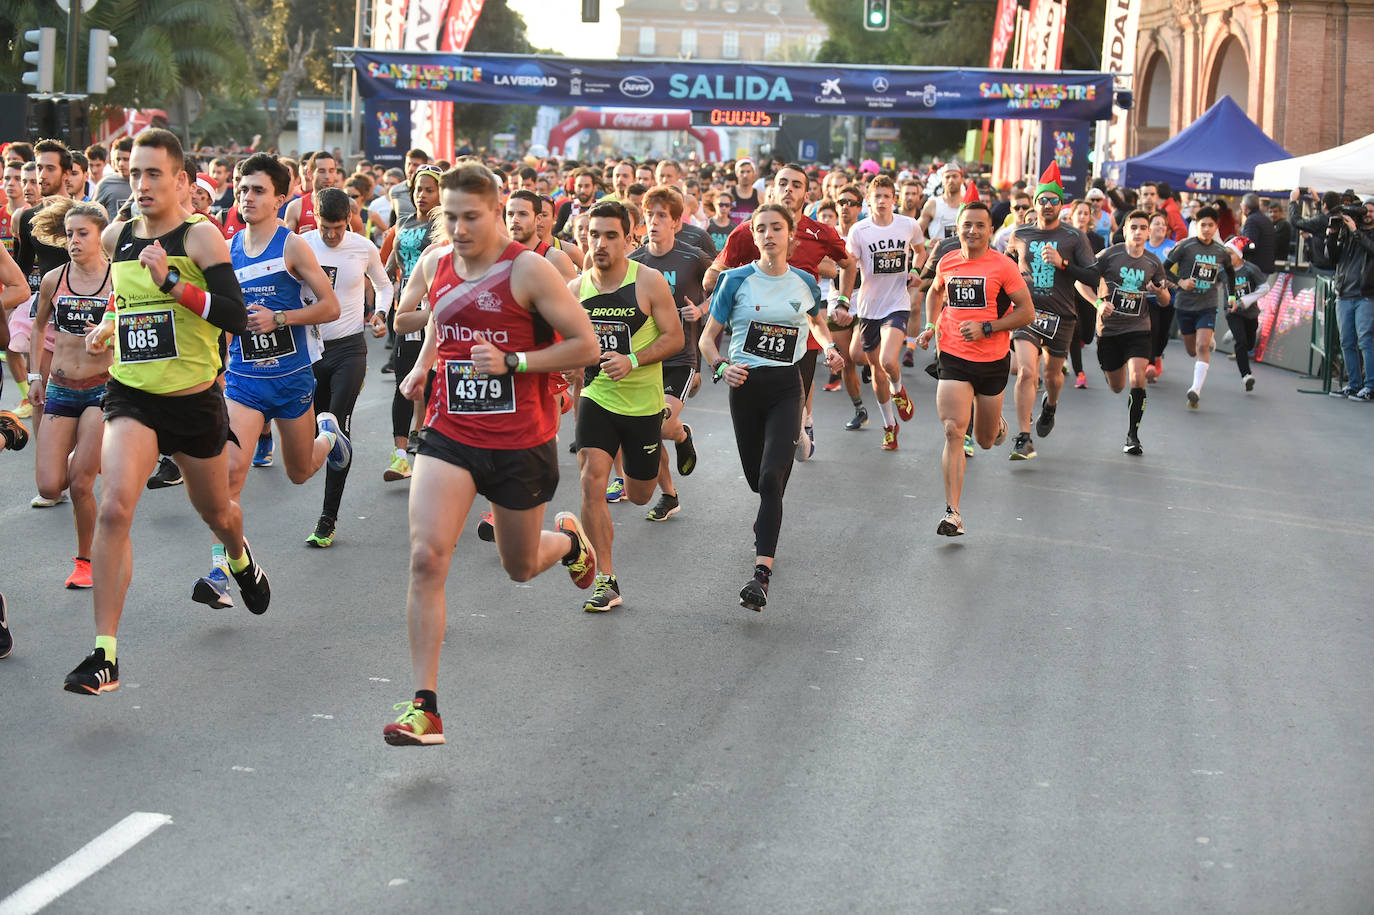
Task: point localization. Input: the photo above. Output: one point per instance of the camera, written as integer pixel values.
(1355, 211)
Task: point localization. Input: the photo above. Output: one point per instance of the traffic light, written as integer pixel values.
(71, 122)
(40, 117)
(100, 62)
(876, 15)
(40, 77)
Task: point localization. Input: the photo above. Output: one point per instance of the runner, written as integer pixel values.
(767, 305)
(1243, 311)
(174, 291)
(584, 195)
(880, 245)
(978, 296)
(939, 218)
(684, 267)
(840, 315)
(1129, 273)
(1161, 316)
(544, 232)
(73, 297)
(1052, 257)
(491, 428)
(348, 259)
(632, 310)
(1203, 266)
(747, 199)
(522, 216)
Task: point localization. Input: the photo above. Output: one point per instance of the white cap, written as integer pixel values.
(743, 159)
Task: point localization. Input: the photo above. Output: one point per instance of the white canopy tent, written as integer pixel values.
(1348, 166)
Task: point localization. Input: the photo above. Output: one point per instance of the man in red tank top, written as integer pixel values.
(496, 310)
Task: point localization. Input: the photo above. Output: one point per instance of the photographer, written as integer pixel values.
(1350, 245)
(1317, 225)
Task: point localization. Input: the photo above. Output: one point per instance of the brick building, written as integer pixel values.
(761, 30)
(1297, 67)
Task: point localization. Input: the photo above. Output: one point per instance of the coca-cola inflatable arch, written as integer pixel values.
(635, 119)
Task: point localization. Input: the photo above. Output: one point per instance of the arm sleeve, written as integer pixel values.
(564, 211)
(224, 306)
(383, 291)
(1081, 265)
(25, 254)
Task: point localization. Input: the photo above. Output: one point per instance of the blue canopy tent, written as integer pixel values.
(1216, 154)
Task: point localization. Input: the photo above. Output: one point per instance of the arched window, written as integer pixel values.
(1230, 75)
(1157, 98)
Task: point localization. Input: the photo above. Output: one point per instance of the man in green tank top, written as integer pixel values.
(635, 318)
(174, 293)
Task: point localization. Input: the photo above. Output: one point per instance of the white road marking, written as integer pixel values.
(42, 890)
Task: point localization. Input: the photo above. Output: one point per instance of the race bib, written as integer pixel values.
(614, 336)
(966, 292)
(261, 347)
(1130, 304)
(1205, 273)
(35, 279)
(71, 312)
(147, 336)
(331, 271)
(950, 231)
(417, 336)
(774, 342)
(889, 262)
(472, 392)
(1046, 325)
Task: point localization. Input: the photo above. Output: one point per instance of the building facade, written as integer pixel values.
(1297, 68)
(745, 30)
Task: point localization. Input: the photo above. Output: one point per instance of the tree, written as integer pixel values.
(499, 30)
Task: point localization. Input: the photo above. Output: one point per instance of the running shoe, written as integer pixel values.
(167, 474)
(253, 584)
(264, 452)
(664, 508)
(1023, 449)
(80, 579)
(1363, 395)
(93, 676)
(905, 408)
(388, 369)
(1249, 381)
(754, 595)
(583, 568)
(908, 357)
(1045, 424)
(951, 525)
(890, 437)
(686, 453)
(833, 384)
(615, 490)
(24, 410)
(39, 502)
(1151, 373)
(1132, 445)
(16, 434)
(323, 537)
(398, 469)
(867, 375)
(806, 443)
(213, 590)
(342, 453)
(1194, 395)
(605, 595)
(859, 421)
(415, 728)
(486, 528)
(1001, 431)
(968, 445)
(1343, 391)
(6, 640)
(1081, 381)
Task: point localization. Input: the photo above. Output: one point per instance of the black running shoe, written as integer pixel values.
(859, 421)
(908, 357)
(605, 595)
(1023, 449)
(6, 640)
(323, 537)
(665, 508)
(486, 528)
(868, 375)
(167, 474)
(253, 584)
(93, 676)
(686, 453)
(951, 525)
(1132, 446)
(754, 595)
(1045, 424)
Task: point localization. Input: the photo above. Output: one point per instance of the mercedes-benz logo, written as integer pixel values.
(880, 84)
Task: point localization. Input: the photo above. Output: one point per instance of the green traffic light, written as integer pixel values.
(876, 17)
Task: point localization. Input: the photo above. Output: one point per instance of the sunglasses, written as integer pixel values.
(1048, 201)
(1021, 208)
(847, 202)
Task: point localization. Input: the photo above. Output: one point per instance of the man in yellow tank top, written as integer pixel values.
(174, 292)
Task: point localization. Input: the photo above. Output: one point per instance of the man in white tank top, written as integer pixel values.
(941, 214)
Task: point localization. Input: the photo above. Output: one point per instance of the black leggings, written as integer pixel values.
(766, 412)
(807, 367)
(1087, 329)
(1161, 322)
(404, 354)
(338, 380)
(1246, 332)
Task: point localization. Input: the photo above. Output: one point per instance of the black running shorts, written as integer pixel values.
(677, 381)
(517, 479)
(1114, 350)
(988, 378)
(638, 436)
(196, 425)
(1051, 333)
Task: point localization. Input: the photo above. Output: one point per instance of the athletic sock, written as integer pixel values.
(238, 565)
(427, 700)
(572, 554)
(106, 642)
(889, 414)
(400, 452)
(217, 557)
(1199, 374)
(1136, 400)
(331, 437)
(857, 401)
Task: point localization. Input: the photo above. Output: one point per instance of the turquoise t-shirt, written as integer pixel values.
(766, 314)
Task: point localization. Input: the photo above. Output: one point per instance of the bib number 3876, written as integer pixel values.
(147, 336)
(469, 391)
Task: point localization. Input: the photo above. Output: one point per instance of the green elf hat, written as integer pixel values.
(1051, 181)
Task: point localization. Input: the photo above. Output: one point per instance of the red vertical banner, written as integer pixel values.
(459, 19)
(1003, 30)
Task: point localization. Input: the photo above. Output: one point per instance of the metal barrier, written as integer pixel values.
(1326, 342)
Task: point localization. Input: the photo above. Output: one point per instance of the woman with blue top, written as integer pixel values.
(768, 308)
(1161, 316)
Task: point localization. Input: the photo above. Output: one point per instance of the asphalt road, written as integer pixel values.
(1136, 685)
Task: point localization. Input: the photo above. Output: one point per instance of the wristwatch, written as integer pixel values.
(512, 362)
(987, 328)
(280, 318)
(173, 277)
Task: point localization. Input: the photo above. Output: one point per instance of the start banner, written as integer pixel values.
(911, 92)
